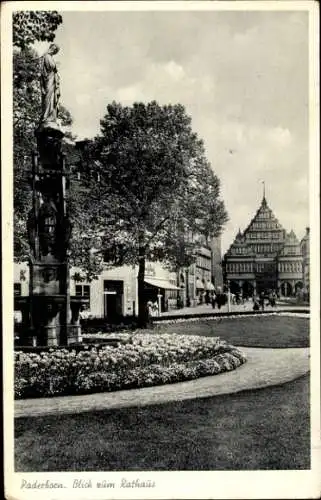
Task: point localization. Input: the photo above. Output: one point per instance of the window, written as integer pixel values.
(83, 290)
(17, 288)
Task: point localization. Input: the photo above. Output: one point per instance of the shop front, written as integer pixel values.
(161, 293)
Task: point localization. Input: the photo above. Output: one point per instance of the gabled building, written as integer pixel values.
(264, 257)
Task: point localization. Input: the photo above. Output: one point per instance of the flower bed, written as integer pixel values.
(143, 360)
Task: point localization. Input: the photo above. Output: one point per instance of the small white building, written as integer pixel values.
(115, 292)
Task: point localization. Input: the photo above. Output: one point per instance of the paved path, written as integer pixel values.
(264, 367)
(247, 306)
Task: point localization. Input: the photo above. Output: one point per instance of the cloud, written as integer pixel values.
(280, 136)
(242, 76)
(174, 70)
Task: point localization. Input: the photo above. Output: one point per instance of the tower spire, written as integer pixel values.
(263, 199)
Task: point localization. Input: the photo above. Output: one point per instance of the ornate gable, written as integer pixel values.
(291, 245)
(239, 246)
(264, 236)
(264, 220)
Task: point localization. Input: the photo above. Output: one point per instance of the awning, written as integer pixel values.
(159, 283)
(210, 286)
(199, 284)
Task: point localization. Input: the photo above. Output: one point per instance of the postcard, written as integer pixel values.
(160, 187)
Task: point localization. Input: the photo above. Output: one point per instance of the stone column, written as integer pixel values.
(293, 286)
(52, 325)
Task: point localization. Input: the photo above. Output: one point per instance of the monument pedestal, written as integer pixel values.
(49, 233)
(41, 320)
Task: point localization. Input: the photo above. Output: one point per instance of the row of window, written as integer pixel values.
(240, 250)
(203, 262)
(262, 248)
(265, 235)
(263, 267)
(266, 225)
(290, 267)
(265, 214)
(292, 250)
(239, 267)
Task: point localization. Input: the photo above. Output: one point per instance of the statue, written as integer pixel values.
(47, 226)
(50, 87)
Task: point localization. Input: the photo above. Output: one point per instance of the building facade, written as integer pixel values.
(114, 293)
(216, 257)
(305, 250)
(264, 257)
(204, 275)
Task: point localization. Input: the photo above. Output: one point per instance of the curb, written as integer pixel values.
(175, 317)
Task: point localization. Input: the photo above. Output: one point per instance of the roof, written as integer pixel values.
(264, 228)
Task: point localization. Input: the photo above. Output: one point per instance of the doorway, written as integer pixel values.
(113, 299)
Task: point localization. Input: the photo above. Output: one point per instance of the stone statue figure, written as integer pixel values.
(50, 86)
(47, 226)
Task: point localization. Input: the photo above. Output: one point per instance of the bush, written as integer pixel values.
(94, 325)
(140, 360)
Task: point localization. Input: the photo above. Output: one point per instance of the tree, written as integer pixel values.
(32, 26)
(155, 188)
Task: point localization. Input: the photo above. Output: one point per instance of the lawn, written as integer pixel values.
(252, 430)
(254, 331)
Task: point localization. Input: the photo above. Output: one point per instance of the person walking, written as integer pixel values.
(261, 300)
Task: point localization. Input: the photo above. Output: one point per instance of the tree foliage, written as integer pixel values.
(32, 26)
(154, 182)
(157, 195)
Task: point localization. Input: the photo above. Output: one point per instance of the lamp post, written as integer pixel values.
(159, 299)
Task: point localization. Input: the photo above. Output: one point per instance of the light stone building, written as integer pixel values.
(115, 291)
(264, 257)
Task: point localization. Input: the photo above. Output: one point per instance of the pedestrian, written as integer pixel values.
(256, 306)
(261, 300)
(155, 309)
(213, 300)
(150, 308)
(273, 299)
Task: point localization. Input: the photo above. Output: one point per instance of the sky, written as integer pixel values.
(242, 76)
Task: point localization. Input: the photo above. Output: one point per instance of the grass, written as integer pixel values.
(253, 430)
(254, 331)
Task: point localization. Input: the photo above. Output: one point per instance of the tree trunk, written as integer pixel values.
(188, 299)
(143, 316)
